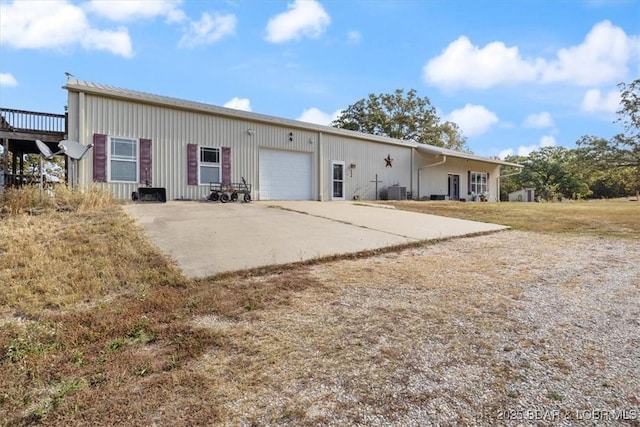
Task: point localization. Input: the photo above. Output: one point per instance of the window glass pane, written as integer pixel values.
(337, 171)
(123, 170)
(209, 174)
(209, 155)
(337, 189)
(123, 148)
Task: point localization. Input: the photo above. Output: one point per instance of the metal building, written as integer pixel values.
(183, 146)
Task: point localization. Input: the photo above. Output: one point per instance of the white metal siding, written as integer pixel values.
(285, 175)
(434, 180)
(171, 130)
(368, 158)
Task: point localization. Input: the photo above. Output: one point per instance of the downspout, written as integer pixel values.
(518, 172)
(411, 174)
(444, 159)
(320, 169)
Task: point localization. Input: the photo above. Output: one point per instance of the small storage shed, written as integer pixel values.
(523, 195)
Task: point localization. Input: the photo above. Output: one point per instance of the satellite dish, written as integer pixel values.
(44, 149)
(73, 149)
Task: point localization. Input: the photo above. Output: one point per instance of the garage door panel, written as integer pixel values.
(285, 175)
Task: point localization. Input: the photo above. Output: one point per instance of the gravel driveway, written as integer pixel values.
(512, 328)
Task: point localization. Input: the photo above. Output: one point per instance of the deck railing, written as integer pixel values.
(29, 121)
(18, 180)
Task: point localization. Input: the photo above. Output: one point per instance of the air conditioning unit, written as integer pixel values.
(396, 192)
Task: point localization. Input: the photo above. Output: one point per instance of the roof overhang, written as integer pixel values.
(440, 151)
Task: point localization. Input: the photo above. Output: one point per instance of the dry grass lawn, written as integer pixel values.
(615, 218)
(97, 328)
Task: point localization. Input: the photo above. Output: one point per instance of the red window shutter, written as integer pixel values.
(468, 182)
(226, 165)
(145, 162)
(192, 164)
(99, 157)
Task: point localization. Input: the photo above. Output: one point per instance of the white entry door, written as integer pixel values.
(285, 175)
(337, 180)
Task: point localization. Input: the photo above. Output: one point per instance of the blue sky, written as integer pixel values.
(514, 75)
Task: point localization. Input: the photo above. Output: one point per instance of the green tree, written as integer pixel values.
(401, 116)
(554, 172)
(628, 143)
(513, 182)
(619, 156)
(629, 114)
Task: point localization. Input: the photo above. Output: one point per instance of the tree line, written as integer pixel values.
(596, 168)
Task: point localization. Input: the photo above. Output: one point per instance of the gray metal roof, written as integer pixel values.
(76, 85)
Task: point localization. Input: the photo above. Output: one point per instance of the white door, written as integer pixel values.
(285, 175)
(337, 180)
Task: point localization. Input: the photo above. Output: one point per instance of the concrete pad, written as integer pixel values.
(210, 238)
(386, 218)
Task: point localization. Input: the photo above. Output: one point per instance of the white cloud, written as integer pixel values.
(314, 115)
(602, 57)
(7, 79)
(123, 11)
(595, 102)
(236, 103)
(354, 37)
(175, 15)
(473, 119)
(304, 18)
(57, 24)
(547, 141)
(525, 150)
(461, 64)
(539, 120)
(117, 43)
(209, 29)
(505, 153)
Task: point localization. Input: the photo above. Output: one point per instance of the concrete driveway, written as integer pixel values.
(207, 238)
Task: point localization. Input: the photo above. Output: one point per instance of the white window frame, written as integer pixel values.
(479, 188)
(202, 164)
(344, 175)
(110, 158)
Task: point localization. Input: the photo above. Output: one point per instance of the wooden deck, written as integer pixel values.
(19, 130)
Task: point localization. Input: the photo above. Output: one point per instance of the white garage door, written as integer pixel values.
(285, 175)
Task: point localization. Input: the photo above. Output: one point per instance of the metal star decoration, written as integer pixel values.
(388, 161)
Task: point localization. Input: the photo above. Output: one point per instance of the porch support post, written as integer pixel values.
(5, 160)
(14, 166)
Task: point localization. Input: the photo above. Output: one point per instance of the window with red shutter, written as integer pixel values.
(145, 162)
(99, 157)
(226, 165)
(192, 164)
